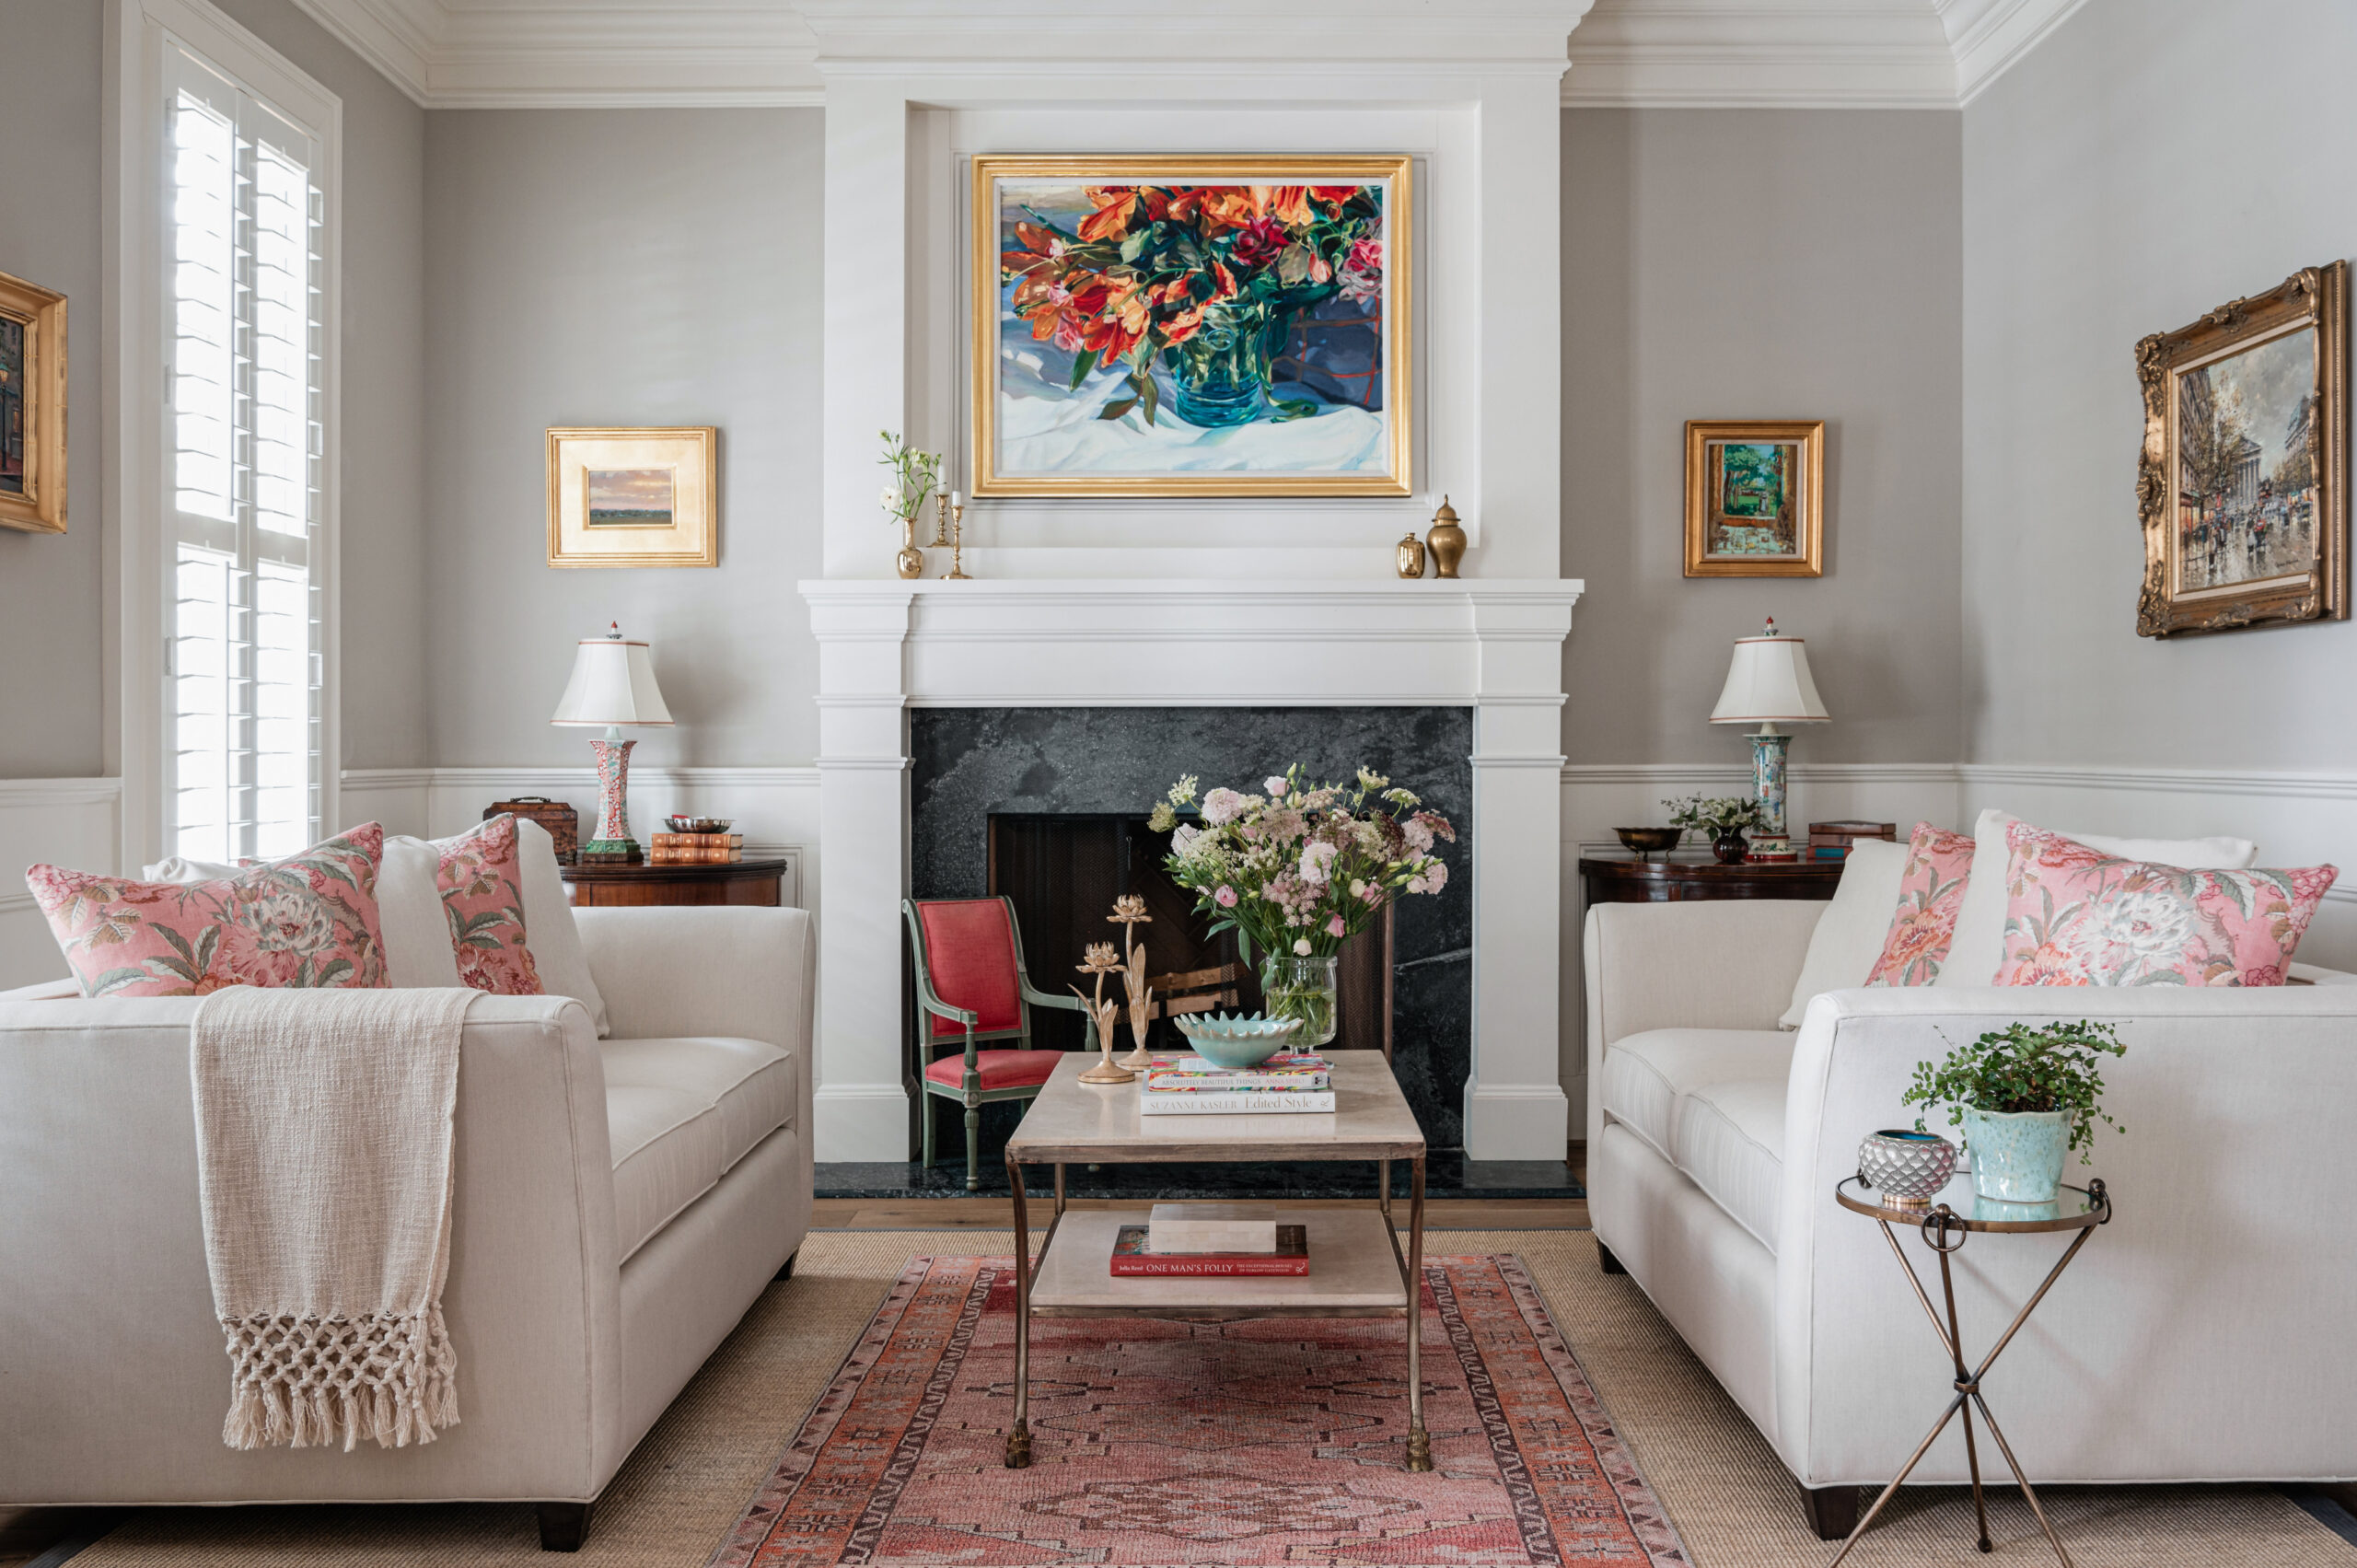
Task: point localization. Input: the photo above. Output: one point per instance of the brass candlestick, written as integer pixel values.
(940, 522)
(1099, 962)
(1129, 913)
(956, 544)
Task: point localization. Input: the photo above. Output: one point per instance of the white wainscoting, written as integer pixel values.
(75, 822)
(775, 808)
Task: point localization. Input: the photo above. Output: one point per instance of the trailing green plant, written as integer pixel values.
(1714, 815)
(2024, 1067)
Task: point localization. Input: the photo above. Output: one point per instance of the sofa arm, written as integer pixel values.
(2180, 1344)
(740, 972)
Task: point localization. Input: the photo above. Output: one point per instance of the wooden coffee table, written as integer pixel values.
(1356, 1266)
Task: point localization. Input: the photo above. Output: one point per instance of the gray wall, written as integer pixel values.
(50, 585)
(1736, 264)
(621, 267)
(52, 591)
(2151, 160)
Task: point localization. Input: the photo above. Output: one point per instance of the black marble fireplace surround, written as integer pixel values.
(973, 763)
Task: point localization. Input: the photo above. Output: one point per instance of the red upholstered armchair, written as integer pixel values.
(972, 986)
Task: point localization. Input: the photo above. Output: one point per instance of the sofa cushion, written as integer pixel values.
(1646, 1074)
(679, 1113)
(998, 1069)
(1729, 1140)
(1847, 943)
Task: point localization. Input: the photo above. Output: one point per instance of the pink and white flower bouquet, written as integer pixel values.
(1298, 868)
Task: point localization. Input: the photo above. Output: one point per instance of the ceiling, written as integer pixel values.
(1680, 53)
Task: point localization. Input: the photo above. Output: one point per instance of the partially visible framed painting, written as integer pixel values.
(1755, 498)
(1192, 326)
(2242, 486)
(32, 407)
(625, 497)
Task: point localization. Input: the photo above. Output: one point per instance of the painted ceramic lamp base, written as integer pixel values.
(613, 841)
(2017, 1155)
(1769, 751)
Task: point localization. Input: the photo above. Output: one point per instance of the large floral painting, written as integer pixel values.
(1229, 326)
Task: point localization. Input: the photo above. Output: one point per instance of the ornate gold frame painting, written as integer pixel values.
(2242, 485)
(1192, 326)
(623, 497)
(32, 407)
(1755, 498)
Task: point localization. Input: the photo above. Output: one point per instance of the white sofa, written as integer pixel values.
(620, 1204)
(2204, 1335)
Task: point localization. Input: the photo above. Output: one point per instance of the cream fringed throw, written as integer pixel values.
(323, 1147)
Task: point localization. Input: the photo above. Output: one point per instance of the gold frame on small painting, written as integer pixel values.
(2313, 300)
(1398, 335)
(41, 313)
(691, 537)
(1809, 558)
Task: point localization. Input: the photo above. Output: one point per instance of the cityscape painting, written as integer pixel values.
(2241, 484)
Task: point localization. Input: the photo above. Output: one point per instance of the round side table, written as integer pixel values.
(1944, 1224)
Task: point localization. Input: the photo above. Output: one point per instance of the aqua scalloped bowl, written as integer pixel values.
(1227, 1040)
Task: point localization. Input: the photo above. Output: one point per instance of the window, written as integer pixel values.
(243, 248)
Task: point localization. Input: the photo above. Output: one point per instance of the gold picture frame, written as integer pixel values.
(1295, 201)
(2242, 482)
(622, 496)
(1755, 498)
(32, 407)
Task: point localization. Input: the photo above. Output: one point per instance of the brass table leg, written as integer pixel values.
(1967, 1383)
(1019, 1438)
(1420, 1442)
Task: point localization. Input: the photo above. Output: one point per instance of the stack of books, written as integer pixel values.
(696, 849)
(1189, 1086)
(1212, 1240)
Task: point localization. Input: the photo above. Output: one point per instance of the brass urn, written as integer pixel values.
(1412, 555)
(911, 560)
(1447, 540)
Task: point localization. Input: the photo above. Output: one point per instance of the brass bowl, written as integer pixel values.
(1650, 841)
(699, 824)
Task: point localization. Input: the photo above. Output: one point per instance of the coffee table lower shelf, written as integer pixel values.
(1355, 1271)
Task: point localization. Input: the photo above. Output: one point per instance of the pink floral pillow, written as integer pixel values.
(2076, 916)
(1931, 891)
(309, 919)
(481, 894)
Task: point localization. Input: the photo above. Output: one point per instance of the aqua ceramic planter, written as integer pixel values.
(2017, 1155)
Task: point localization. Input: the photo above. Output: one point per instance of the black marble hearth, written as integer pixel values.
(973, 763)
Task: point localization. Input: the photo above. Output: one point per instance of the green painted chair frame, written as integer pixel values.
(972, 1094)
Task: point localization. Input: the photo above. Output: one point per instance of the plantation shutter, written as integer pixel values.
(243, 236)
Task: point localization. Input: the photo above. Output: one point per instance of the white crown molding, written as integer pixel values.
(1989, 36)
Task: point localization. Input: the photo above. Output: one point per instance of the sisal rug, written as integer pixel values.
(1211, 1444)
(684, 1490)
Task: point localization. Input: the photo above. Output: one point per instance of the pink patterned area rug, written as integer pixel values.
(1154, 1444)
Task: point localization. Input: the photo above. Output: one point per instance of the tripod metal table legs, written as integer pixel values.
(1944, 1235)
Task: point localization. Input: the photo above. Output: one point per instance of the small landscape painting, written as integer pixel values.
(2241, 486)
(1229, 326)
(1753, 498)
(629, 498)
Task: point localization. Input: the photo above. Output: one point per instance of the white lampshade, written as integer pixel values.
(613, 682)
(1769, 682)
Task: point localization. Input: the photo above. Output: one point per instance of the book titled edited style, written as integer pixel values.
(1292, 1071)
(1235, 1102)
(1134, 1258)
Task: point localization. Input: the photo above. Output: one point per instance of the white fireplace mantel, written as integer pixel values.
(1493, 644)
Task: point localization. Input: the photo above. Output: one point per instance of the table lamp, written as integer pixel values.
(613, 685)
(1768, 684)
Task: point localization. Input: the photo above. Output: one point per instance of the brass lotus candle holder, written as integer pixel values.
(1099, 959)
(1129, 913)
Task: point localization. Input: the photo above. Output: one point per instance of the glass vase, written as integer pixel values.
(1221, 372)
(1303, 989)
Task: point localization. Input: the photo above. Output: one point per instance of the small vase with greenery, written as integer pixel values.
(2025, 1096)
(1722, 818)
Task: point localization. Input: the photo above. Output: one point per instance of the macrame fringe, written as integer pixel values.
(312, 1382)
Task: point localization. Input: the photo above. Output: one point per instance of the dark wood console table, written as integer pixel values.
(1615, 879)
(739, 882)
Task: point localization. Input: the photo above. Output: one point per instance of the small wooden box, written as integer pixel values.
(563, 822)
(1831, 840)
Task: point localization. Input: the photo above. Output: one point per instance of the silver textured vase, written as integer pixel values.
(1906, 1166)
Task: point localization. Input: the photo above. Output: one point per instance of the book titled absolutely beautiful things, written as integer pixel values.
(1133, 1258)
(1193, 1075)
